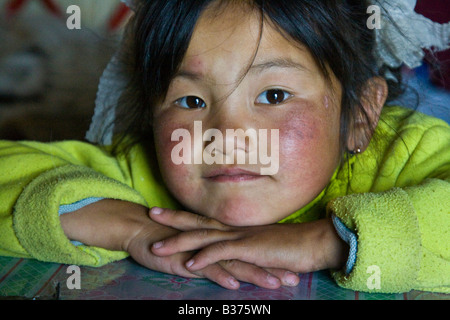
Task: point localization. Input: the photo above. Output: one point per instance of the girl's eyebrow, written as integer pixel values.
(188, 75)
(282, 63)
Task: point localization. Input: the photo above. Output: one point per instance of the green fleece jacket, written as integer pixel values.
(395, 197)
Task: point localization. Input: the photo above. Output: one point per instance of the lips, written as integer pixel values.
(232, 175)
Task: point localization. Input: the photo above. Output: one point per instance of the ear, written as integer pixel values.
(373, 98)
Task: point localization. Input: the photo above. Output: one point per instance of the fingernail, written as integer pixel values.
(189, 263)
(272, 280)
(233, 282)
(290, 279)
(156, 210)
(158, 245)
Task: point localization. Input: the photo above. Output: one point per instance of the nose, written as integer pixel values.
(234, 123)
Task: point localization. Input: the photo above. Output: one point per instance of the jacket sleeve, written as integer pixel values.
(403, 231)
(36, 179)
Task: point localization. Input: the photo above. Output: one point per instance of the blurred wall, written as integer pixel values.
(48, 73)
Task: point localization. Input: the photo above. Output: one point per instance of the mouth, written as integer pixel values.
(232, 175)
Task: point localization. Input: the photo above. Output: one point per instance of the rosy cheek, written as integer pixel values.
(297, 136)
(172, 171)
(304, 152)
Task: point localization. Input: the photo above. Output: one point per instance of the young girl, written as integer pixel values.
(360, 187)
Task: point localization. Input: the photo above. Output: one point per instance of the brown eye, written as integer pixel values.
(275, 96)
(191, 102)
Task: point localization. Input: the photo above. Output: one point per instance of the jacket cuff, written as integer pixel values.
(389, 250)
(350, 238)
(68, 208)
(36, 219)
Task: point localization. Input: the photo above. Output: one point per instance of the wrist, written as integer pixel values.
(106, 224)
(335, 249)
(143, 231)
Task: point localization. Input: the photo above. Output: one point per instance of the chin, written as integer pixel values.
(239, 214)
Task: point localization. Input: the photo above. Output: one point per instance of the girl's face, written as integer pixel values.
(223, 85)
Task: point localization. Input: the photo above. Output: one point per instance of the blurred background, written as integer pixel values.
(49, 74)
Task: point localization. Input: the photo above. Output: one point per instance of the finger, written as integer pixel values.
(190, 241)
(219, 275)
(172, 265)
(250, 273)
(222, 250)
(286, 277)
(183, 220)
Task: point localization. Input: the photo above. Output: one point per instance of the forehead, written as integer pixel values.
(234, 37)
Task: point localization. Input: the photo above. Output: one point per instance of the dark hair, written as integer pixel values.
(334, 31)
